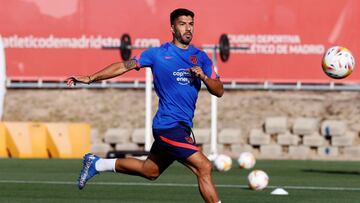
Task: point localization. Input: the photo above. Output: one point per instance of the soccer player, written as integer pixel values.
(178, 69)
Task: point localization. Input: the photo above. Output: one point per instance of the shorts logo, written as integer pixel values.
(193, 59)
(189, 139)
(183, 76)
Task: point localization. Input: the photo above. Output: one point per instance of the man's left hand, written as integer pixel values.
(198, 72)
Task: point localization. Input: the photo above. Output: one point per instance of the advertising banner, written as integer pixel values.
(286, 39)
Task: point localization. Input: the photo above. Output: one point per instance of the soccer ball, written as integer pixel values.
(246, 160)
(338, 62)
(258, 180)
(223, 163)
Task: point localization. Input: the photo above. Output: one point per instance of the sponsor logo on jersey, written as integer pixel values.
(183, 76)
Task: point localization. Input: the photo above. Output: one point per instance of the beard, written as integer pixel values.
(183, 38)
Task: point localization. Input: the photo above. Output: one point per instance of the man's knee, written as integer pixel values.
(151, 171)
(151, 174)
(205, 168)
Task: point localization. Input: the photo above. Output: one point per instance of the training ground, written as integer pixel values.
(53, 181)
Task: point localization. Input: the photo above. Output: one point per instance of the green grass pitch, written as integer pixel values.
(53, 180)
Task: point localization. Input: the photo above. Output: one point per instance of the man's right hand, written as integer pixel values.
(71, 81)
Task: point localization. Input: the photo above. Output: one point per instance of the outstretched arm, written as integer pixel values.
(108, 72)
(214, 86)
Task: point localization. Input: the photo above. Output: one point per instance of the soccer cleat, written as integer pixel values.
(88, 170)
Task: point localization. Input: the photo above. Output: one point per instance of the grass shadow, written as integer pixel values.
(331, 171)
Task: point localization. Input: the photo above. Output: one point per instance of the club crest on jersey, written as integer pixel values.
(193, 59)
(189, 139)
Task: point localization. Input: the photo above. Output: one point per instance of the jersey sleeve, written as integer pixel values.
(208, 66)
(146, 58)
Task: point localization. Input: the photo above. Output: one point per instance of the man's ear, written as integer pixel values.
(172, 29)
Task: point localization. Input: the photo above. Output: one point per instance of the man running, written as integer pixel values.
(178, 69)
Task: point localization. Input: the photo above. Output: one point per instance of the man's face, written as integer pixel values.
(183, 29)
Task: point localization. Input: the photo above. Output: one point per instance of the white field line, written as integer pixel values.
(176, 185)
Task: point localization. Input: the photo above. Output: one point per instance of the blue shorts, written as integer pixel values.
(177, 141)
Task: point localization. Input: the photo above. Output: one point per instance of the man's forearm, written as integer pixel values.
(214, 86)
(113, 70)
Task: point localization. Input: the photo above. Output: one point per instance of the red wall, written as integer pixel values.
(296, 25)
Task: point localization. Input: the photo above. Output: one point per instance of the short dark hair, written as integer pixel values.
(180, 12)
